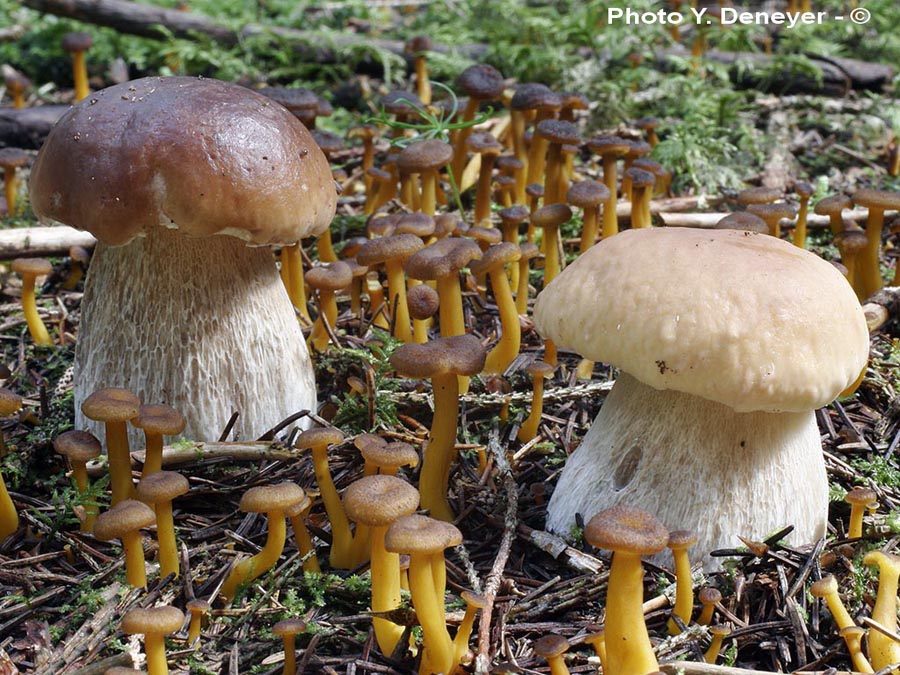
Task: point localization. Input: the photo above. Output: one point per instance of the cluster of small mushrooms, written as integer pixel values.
(188, 184)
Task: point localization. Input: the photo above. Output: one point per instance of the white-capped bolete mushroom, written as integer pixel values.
(720, 363)
(175, 176)
(154, 623)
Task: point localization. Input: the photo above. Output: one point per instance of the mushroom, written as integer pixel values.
(423, 303)
(493, 264)
(159, 489)
(114, 407)
(425, 158)
(538, 370)
(157, 420)
(174, 176)
(719, 633)
(884, 651)
(589, 195)
(773, 214)
(610, 149)
(31, 269)
(377, 501)
(853, 636)
(419, 46)
(877, 201)
(488, 147)
(804, 192)
(641, 189)
(474, 602)
(555, 134)
(528, 251)
(77, 44)
(393, 251)
(443, 361)
(827, 589)
(551, 648)
(718, 363)
(11, 159)
(327, 279)
(679, 542)
(124, 521)
(16, 85)
(197, 608)
(274, 501)
(288, 630)
(10, 402)
(79, 257)
(833, 207)
(480, 83)
(629, 533)
(709, 597)
(305, 546)
(154, 623)
(744, 221)
(860, 499)
(80, 447)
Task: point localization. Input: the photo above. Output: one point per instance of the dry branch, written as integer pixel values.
(28, 127)
(710, 219)
(694, 668)
(42, 241)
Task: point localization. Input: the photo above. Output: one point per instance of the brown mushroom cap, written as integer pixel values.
(877, 199)
(587, 193)
(295, 99)
(127, 516)
(459, 354)
(290, 626)
(318, 436)
(78, 446)
(552, 215)
(533, 95)
(625, 528)
(484, 235)
(12, 158)
(160, 419)
(10, 402)
(513, 215)
(31, 266)
(379, 500)
(421, 534)
(161, 486)
(376, 450)
(445, 224)
(430, 154)
(382, 226)
(481, 81)
(758, 195)
(201, 155)
(111, 405)
(608, 145)
(141, 620)
(775, 211)
(423, 301)
(495, 257)
(743, 220)
(832, 204)
(709, 595)
(861, 495)
(681, 539)
(483, 142)
(529, 250)
(852, 240)
(265, 498)
(539, 369)
(77, 41)
(558, 131)
(418, 223)
(400, 102)
(392, 247)
(803, 189)
(442, 258)
(550, 646)
(330, 277)
(640, 178)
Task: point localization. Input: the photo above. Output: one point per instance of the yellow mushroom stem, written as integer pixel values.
(18, 96)
(629, 650)
(857, 511)
(869, 270)
(153, 453)
(452, 320)
(715, 645)
(399, 308)
(554, 176)
(29, 306)
(458, 163)
(438, 645)
(10, 190)
(325, 247)
(195, 625)
(853, 636)
(305, 543)
(839, 613)
(482, 209)
(328, 312)
(423, 84)
(598, 642)
(610, 219)
(132, 545)
(800, 226)
(341, 537)
(883, 650)
(79, 75)
(292, 276)
(377, 306)
(529, 427)
(507, 349)
(522, 286)
(119, 459)
(684, 591)
(384, 569)
(464, 632)
(251, 568)
(537, 154)
(9, 518)
(91, 509)
(551, 355)
(441, 448)
(165, 535)
(590, 228)
(429, 180)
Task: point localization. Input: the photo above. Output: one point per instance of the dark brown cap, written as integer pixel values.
(330, 276)
(162, 620)
(290, 626)
(877, 199)
(496, 257)
(460, 355)
(743, 220)
(12, 158)
(424, 155)
(201, 155)
(161, 486)
(552, 215)
(608, 145)
(423, 301)
(77, 42)
(758, 195)
(533, 95)
(417, 223)
(421, 534)
(393, 247)
(587, 193)
(442, 258)
(558, 131)
(550, 646)
(832, 204)
(481, 81)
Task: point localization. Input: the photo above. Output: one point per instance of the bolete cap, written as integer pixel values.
(459, 354)
(161, 486)
(164, 619)
(129, 515)
(200, 155)
(157, 418)
(627, 529)
(278, 497)
(379, 500)
(78, 446)
(733, 317)
(112, 404)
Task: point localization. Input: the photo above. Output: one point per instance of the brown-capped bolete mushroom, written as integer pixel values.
(175, 176)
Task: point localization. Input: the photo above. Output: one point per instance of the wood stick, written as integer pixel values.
(42, 241)
(881, 307)
(710, 219)
(694, 668)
